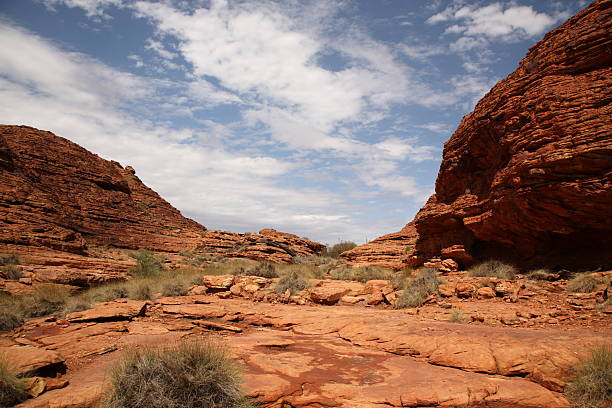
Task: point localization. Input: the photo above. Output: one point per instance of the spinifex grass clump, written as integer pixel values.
(187, 375)
(362, 274)
(9, 266)
(583, 283)
(592, 384)
(493, 269)
(292, 282)
(12, 389)
(147, 264)
(47, 299)
(264, 270)
(418, 289)
(543, 274)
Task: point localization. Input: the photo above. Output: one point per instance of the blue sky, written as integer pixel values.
(324, 118)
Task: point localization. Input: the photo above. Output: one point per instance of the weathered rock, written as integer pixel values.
(446, 290)
(465, 290)
(121, 309)
(442, 265)
(527, 176)
(378, 286)
(217, 283)
(27, 359)
(330, 292)
(485, 293)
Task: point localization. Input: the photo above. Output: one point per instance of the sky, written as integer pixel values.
(323, 118)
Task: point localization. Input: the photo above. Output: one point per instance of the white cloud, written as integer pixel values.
(496, 20)
(422, 52)
(91, 7)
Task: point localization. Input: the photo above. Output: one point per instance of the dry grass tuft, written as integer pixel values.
(457, 316)
(293, 282)
(543, 274)
(418, 289)
(362, 274)
(583, 283)
(493, 269)
(12, 389)
(187, 375)
(592, 384)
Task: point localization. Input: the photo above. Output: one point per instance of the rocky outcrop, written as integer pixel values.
(388, 251)
(56, 195)
(527, 176)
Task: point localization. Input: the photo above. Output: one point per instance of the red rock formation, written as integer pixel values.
(527, 176)
(55, 194)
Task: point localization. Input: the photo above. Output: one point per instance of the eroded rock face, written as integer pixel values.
(527, 176)
(54, 194)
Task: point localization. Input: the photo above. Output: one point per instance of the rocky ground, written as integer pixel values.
(336, 344)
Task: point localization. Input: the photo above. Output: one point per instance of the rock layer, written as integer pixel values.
(527, 176)
(56, 195)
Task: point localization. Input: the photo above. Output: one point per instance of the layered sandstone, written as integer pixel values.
(527, 176)
(56, 196)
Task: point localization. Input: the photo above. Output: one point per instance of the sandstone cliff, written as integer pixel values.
(55, 194)
(527, 176)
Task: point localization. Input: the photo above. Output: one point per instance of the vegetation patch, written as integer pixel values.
(543, 274)
(264, 270)
(583, 283)
(187, 375)
(362, 274)
(9, 266)
(147, 264)
(494, 269)
(47, 300)
(336, 250)
(12, 388)
(457, 316)
(418, 289)
(292, 282)
(592, 383)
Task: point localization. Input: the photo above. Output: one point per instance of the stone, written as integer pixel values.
(34, 386)
(442, 265)
(197, 290)
(459, 254)
(485, 293)
(504, 288)
(122, 309)
(526, 173)
(376, 286)
(330, 292)
(375, 298)
(220, 282)
(464, 290)
(446, 290)
(27, 359)
(350, 299)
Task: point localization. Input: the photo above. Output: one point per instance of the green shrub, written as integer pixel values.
(582, 283)
(418, 289)
(361, 274)
(542, 274)
(187, 375)
(11, 272)
(339, 248)
(147, 264)
(9, 259)
(457, 316)
(292, 281)
(592, 384)
(12, 389)
(493, 269)
(47, 299)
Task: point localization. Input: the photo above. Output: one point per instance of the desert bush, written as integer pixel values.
(264, 270)
(493, 269)
(141, 291)
(361, 274)
(9, 259)
(582, 283)
(418, 289)
(47, 299)
(542, 274)
(12, 272)
(174, 289)
(592, 383)
(457, 316)
(292, 281)
(12, 389)
(187, 375)
(11, 313)
(147, 264)
(339, 248)
(76, 304)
